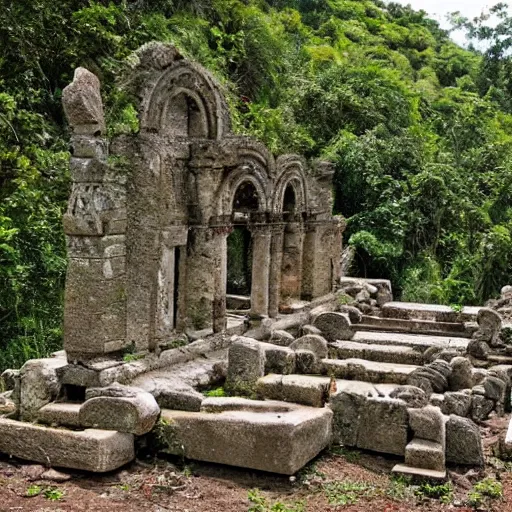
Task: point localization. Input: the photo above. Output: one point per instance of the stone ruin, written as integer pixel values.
(305, 359)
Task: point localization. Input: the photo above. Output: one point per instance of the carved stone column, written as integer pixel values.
(220, 282)
(261, 236)
(276, 263)
(291, 276)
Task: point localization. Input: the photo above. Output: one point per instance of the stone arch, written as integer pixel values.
(185, 101)
(290, 173)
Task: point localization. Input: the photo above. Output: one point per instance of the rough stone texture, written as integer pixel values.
(334, 326)
(353, 313)
(305, 361)
(463, 442)
(456, 402)
(489, 326)
(428, 423)
(494, 388)
(461, 376)
(347, 409)
(481, 407)
(89, 450)
(383, 426)
(411, 395)
(119, 408)
(278, 359)
(310, 329)
(83, 105)
(246, 364)
(282, 338)
(9, 378)
(39, 385)
(421, 453)
(313, 343)
(278, 442)
(57, 413)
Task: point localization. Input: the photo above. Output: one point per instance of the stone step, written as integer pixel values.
(60, 413)
(427, 327)
(425, 454)
(264, 439)
(372, 352)
(417, 341)
(368, 371)
(313, 390)
(86, 450)
(404, 469)
(433, 312)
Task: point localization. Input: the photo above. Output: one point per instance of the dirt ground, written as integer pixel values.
(351, 481)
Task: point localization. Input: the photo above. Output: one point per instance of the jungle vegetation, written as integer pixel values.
(419, 128)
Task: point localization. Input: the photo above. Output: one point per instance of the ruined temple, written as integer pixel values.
(149, 217)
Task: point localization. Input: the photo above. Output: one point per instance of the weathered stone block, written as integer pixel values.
(428, 423)
(89, 450)
(278, 359)
(312, 342)
(463, 442)
(456, 402)
(383, 426)
(347, 409)
(305, 361)
(278, 442)
(334, 326)
(421, 453)
(282, 338)
(246, 364)
(462, 374)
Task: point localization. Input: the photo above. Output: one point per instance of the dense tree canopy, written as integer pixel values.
(419, 128)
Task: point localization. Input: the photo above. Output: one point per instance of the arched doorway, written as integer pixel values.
(239, 244)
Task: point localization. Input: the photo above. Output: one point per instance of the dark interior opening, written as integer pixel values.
(72, 393)
(246, 198)
(239, 272)
(289, 201)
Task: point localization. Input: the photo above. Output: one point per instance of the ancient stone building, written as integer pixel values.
(150, 214)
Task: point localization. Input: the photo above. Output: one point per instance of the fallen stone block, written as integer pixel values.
(312, 342)
(383, 426)
(463, 442)
(425, 454)
(281, 338)
(422, 473)
(60, 413)
(428, 423)
(347, 409)
(246, 364)
(334, 326)
(305, 361)
(456, 402)
(119, 408)
(278, 442)
(278, 359)
(88, 450)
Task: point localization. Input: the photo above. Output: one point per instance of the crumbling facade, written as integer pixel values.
(149, 217)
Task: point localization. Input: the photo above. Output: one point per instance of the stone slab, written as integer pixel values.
(418, 341)
(403, 469)
(268, 441)
(372, 352)
(426, 327)
(88, 450)
(368, 371)
(60, 413)
(421, 453)
(435, 312)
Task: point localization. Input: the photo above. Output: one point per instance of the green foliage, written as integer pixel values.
(346, 493)
(33, 490)
(260, 504)
(441, 492)
(485, 491)
(217, 392)
(419, 129)
(53, 494)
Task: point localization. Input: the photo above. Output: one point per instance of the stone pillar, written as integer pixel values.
(310, 251)
(261, 236)
(276, 263)
(95, 227)
(291, 277)
(220, 282)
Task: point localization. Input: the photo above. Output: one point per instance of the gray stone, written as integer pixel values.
(462, 374)
(494, 388)
(278, 442)
(437, 400)
(278, 359)
(334, 326)
(353, 313)
(411, 395)
(489, 326)
(56, 476)
(282, 338)
(383, 426)
(463, 442)
(39, 385)
(310, 329)
(422, 453)
(428, 423)
(9, 378)
(305, 389)
(99, 451)
(478, 348)
(119, 408)
(270, 387)
(60, 413)
(246, 364)
(305, 361)
(363, 297)
(83, 105)
(456, 403)
(312, 342)
(481, 407)
(347, 409)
